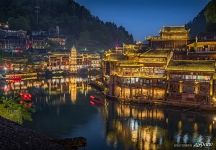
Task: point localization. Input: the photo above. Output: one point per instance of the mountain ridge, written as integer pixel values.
(205, 21)
(75, 21)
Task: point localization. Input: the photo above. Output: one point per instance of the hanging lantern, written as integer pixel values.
(26, 96)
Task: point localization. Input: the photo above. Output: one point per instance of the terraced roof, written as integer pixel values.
(192, 65)
(156, 53)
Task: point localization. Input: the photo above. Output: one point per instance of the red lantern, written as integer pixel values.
(21, 102)
(26, 96)
(29, 105)
(92, 97)
(92, 103)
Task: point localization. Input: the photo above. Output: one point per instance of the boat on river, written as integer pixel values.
(96, 101)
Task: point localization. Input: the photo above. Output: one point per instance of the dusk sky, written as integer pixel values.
(145, 17)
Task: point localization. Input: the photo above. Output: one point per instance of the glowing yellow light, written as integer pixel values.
(180, 124)
(195, 126)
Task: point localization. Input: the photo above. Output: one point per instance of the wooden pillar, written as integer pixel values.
(121, 92)
(123, 96)
(180, 87)
(50, 86)
(168, 82)
(211, 87)
(130, 92)
(152, 89)
(196, 91)
(61, 88)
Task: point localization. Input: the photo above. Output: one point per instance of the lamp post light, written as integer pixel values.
(5, 69)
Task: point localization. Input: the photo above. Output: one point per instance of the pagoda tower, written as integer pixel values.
(73, 60)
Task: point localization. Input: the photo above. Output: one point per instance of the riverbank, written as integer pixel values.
(15, 136)
(175, 103)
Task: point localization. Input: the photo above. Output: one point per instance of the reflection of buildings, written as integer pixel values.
(57, 87)
(73, 89)
(144, 128)
(170, 69)
(137, 128)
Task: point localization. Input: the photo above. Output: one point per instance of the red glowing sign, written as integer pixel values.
(92, 97)
(26, 96)
(94, 101)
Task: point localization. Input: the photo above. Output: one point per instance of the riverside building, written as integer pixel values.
(73, 61)
(174, 72)
(170, 37)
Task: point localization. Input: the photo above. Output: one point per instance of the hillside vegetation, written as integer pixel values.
(205, 21)
(75, 21)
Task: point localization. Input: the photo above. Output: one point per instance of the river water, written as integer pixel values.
(63, 110)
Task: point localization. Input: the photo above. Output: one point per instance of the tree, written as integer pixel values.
(19, 23)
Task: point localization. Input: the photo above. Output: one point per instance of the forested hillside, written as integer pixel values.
(205, 21)
(74, 21)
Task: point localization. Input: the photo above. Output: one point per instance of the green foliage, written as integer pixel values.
(19, 23)
(12, 110)
(210, 15)
(210, 12)
(75, 21)
(205, 21)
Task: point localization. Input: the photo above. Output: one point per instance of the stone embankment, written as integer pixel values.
(16, 137)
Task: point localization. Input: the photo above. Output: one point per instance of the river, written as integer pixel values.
(63, 110)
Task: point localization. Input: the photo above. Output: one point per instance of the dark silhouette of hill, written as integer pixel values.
(205, 21)
(74, 21)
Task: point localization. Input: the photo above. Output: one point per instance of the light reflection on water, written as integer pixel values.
(158, 128)
(63, 110)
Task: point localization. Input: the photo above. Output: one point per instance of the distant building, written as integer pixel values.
(206, 36)
(202, 46)
(58, 61)
(61, 40)
(204, 42)
(4, 25)
(73, 61)
(13, 41)
(37, 42)
(171, 37)
(89, 60)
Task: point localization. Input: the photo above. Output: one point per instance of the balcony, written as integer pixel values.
(140, 75)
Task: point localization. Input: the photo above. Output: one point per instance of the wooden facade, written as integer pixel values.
(159, 76)
(173, 37)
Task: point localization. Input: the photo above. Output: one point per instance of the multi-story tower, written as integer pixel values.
(73, 60)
